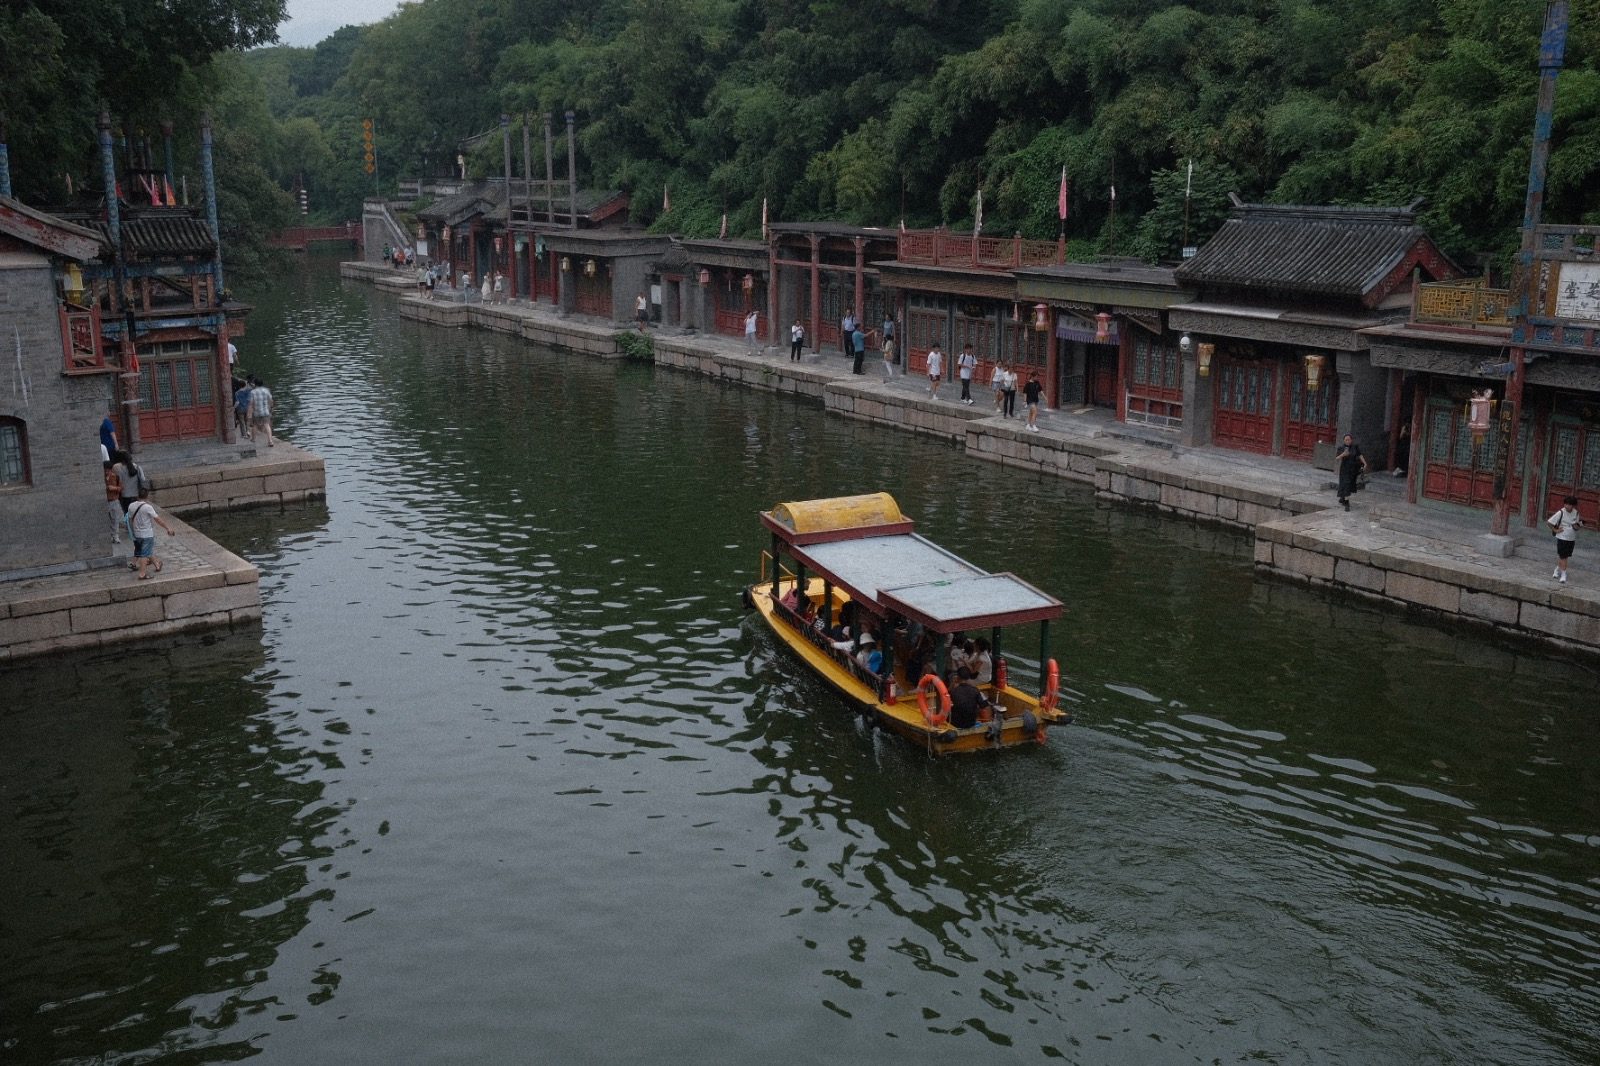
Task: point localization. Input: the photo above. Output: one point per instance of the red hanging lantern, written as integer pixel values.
(749, 282)
(1041, 317)
(1102, 328)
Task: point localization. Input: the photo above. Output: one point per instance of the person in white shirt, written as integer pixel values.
(750, 322)
(935, 370)
(797, 340)
(997, 384)
(1565, 523)
(1008, 391)
(261, 409)
(888, 358)
(966, 363)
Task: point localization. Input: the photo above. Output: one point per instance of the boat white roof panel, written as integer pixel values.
(873, 563)
(924, 576)
(973, 597)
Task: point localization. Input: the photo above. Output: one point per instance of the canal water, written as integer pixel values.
(505, 774)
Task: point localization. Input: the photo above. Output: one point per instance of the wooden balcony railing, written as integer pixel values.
(82, 347)
(1462, 303)
(942, 248)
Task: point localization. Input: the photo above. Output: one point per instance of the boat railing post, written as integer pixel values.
(777, 566)
(1044, 655)
(827, 605)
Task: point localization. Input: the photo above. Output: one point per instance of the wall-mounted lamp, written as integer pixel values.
(1186, 344)
(705, 276)
(1102, 327)
(1314, 364)
(1203, 354)
(1041, 317)
(588, 268)
(566, 265)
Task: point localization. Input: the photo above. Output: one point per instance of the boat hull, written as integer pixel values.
(1021, 723)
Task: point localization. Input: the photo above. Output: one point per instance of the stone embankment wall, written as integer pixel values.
(1416, 574)
(297, 477)
(203, 586)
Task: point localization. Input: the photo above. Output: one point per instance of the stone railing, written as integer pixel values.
(1462, 303)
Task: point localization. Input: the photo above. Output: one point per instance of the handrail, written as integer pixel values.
(1462, 303)
(942, 248)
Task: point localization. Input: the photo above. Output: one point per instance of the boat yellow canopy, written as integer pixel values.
(837, 518)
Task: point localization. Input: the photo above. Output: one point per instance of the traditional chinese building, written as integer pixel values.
(953, 290)
(1452, 354)
(476, 230)
(723, 280)
(822, 270)
(1111, 344)
(1283, 299)
(56, 386)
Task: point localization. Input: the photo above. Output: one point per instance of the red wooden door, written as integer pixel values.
(1102, 376)
(924, 329)
(176, 398)
(1244, 394)
(1459, 469)
(1574, 470)
(1309, 417)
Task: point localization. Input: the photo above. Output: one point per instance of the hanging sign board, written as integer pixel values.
(1578, 292)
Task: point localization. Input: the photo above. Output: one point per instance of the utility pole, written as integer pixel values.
(1552, 56)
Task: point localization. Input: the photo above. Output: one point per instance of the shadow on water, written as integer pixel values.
(158, 830)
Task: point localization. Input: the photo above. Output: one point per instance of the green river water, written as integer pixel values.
(506, 775)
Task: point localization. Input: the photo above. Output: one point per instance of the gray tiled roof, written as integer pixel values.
(1326, 251)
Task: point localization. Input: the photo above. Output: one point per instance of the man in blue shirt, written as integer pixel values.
(108, 434)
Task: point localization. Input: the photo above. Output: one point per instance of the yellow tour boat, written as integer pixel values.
(846, 577)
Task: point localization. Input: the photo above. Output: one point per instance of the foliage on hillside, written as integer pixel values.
(877, 110)
(63, 60)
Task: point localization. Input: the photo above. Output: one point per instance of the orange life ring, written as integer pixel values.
(940, 713)
(1052, 687)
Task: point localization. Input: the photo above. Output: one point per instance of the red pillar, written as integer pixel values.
(511, 265)
(222, 395)
(816, 293)
(1124, 362)
(1052, 368)
(861, 281)
(472, 253)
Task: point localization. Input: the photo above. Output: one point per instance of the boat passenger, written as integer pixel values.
(960, 653)
(791, 600)
(965, 701)
(869, 658)
(981, 663)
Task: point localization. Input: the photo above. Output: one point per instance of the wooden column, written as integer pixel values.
(816, 293)
(861, 281)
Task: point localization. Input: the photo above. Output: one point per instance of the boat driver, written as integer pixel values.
(965, 701)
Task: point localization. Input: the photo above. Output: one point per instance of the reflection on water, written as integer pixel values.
(506, 775)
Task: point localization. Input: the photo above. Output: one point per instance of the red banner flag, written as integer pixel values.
(1061, 197)
(666, 199)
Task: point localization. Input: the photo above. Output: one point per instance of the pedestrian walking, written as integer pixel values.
(261, 410)
(131, 475)
(888, 327)
(847, 331)
(797, 340)
(108, 432)
(1565, 523)
(1008, 391)
(935, 370)
(142, 521)
(997, 384)
(499, 288)
(486, 291)
(888, 357)
(641, 311)
(113, 500)
(858, 345)
(241, 409)
(1031, 392)
(1352, 464)
(751, 320)
(966, 363)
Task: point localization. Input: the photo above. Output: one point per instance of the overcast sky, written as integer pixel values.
(310, 21)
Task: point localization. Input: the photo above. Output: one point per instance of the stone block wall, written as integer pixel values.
(1463, 590)
(59, 516)
(1200, 499)
(215, 588)
(297, 477)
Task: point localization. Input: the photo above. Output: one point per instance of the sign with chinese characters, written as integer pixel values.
(1578, 292)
